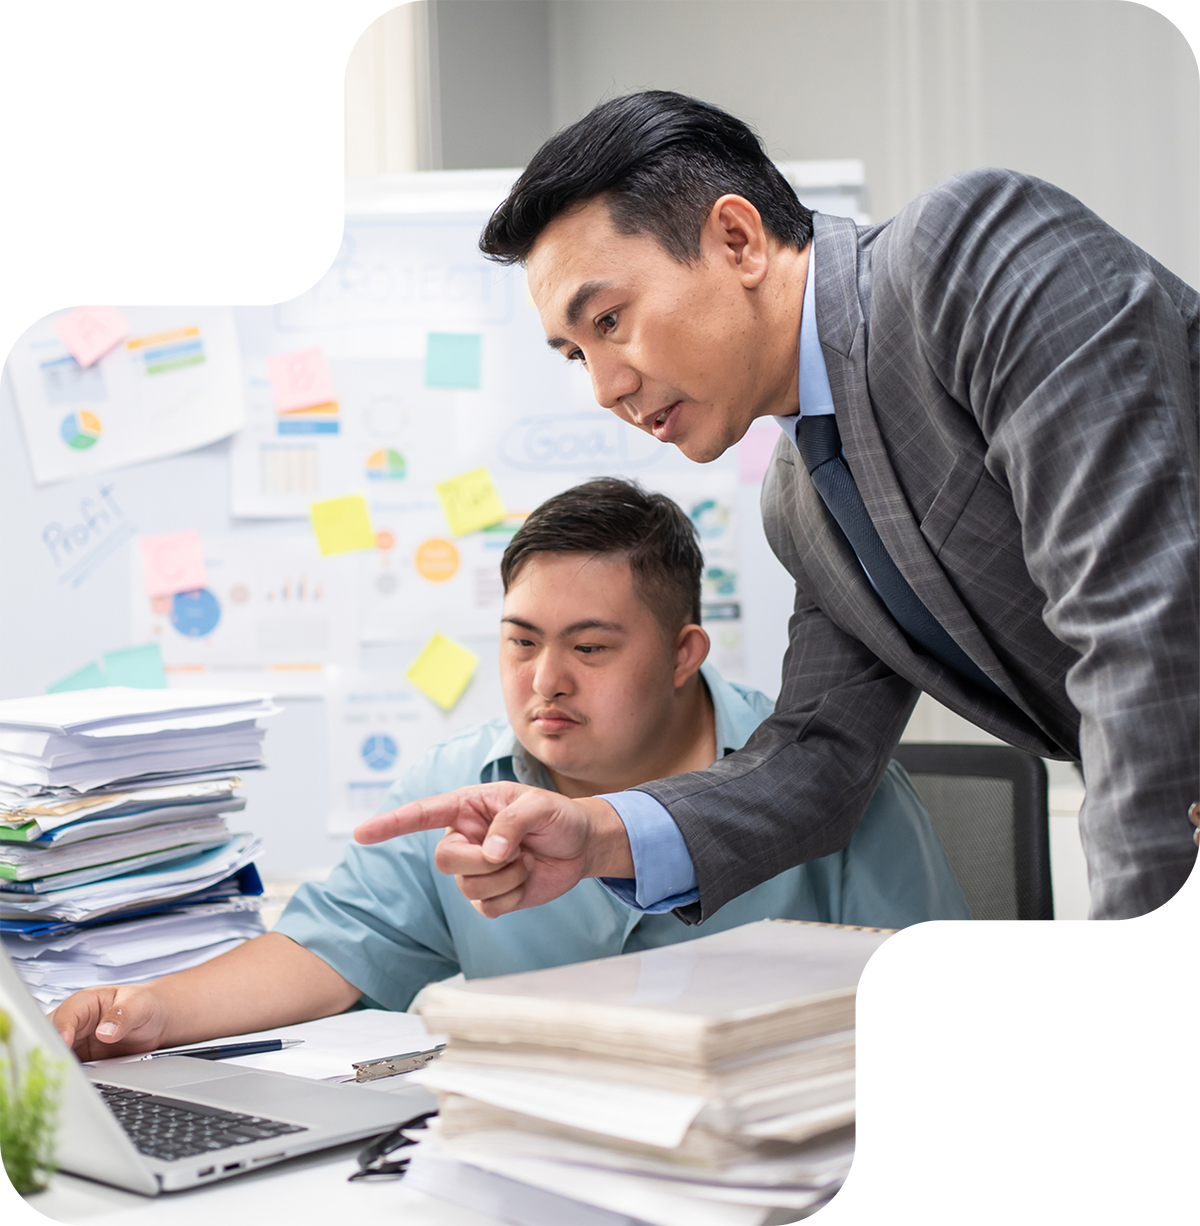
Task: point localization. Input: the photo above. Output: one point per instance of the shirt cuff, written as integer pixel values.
(664, 877)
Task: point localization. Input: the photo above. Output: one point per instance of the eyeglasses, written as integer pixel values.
(371, 1161)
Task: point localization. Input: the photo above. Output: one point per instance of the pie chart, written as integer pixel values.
(379, 751)
(386, 465)
(195, 614)
(80, 429)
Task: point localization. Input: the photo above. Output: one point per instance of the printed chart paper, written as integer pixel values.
(274, 616)
(173, 384)
(379, 726)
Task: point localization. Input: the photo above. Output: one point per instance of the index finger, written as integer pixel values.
(468, 810)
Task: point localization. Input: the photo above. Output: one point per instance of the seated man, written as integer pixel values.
(602, 668)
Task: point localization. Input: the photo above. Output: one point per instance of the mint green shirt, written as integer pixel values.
(389, 922)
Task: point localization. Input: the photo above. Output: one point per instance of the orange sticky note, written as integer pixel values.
(90, 332)
(173, 562)
(342, 524)
(300, 380)
(470, 502)
(443, 670)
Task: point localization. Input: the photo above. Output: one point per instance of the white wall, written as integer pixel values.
(1098, 96)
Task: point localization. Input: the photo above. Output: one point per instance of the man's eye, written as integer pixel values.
(606, 323)
(588, 649)
(522, 642)
(576, 355)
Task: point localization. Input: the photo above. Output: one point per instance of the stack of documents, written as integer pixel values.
(706, 1082)
(112, 815)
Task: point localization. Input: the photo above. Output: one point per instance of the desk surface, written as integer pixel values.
(312, 1188)
(314, 1191)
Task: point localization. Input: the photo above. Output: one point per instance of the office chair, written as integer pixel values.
(989, 804)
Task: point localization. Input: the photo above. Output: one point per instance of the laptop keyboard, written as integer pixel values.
(169, 1129)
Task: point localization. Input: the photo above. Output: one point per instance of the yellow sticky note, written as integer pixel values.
(443, 670)
(342, 524)
(470, 502)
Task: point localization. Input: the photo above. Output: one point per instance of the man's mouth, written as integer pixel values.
(553, 720)
(664, 425)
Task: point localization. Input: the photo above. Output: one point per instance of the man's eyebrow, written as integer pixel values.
(580, 299)
(588, 623)
(593, 623)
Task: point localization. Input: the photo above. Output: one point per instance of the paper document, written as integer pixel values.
(634, 1113)
(172, 385)
(332, 1045)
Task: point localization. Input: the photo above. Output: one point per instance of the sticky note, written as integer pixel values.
(754, 452)
(453, 359)
(90, 332)
(342, 524)
(173, 562)
(89, 677)
(470, 502)
(300, 380)
(139, 667)
(443, 670)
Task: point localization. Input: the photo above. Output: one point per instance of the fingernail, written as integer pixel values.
(106, 1030)
(494, 847)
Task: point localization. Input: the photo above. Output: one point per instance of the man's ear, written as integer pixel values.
(734, 234)
(691, 650)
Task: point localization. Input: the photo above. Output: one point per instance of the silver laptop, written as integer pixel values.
(175, 1122)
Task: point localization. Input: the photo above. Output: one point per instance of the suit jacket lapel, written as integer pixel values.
(843, 343)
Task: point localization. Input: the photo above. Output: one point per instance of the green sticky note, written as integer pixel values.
(139, 667)
(89, 677)
(342, 524)
(470, 502)
(443, 670)
(453, 359)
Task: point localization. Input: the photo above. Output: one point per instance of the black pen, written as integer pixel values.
(229, 1051)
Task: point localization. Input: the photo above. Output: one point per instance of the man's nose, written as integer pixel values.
(613, 380)
(551, 676)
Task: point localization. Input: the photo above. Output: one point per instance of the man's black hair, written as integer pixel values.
(661, 160)
(611, 516)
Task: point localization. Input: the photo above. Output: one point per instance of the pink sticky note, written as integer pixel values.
(754, 452)
(90, 332)
(300, 379)
(173, 562)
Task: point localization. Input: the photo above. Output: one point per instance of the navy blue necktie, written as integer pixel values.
(821, 450)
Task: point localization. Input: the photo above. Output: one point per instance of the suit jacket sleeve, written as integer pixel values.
(798, 788)
(1077, 356)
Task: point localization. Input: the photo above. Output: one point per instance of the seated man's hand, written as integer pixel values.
(111, 1021)
(512, 846)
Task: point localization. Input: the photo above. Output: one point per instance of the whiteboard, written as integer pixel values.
(408, 268)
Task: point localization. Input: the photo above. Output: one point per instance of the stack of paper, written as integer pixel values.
(706, 1082)
(112, 814)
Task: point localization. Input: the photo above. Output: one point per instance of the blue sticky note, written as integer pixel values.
(139, 667)
(89, 677)
(453, 359)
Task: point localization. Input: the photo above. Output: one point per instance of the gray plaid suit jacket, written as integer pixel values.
(1016, 389)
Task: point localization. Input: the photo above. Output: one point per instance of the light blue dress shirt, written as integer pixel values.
(664, 877)
(389, 922)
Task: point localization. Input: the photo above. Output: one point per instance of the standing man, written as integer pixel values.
(985, 488)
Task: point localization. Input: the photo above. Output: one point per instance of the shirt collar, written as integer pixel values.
(734, 717)
(815, 395)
